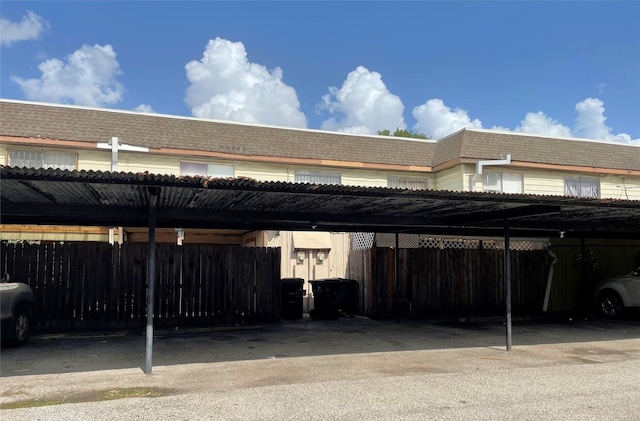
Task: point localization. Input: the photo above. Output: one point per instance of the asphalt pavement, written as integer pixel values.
(348, 369)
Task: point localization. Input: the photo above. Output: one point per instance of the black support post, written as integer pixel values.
(507, 281)
(151, 277)
(395, 280)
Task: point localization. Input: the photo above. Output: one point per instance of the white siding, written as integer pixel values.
(552, 183)
(451, 179)
(620, 187)
(539, 182)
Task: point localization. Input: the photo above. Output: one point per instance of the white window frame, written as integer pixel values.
(42, 159)
(317, 177)
(582, 187)
(203, 169)
(497, 181)
(410, 183)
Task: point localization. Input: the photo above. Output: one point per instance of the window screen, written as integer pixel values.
(210, 170)
(582, 187)
(42, 159)
(412, 183)
(317, 177)
(492, 182)
(502, 182)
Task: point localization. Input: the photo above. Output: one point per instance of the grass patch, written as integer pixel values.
(32, 403)
(131, 392)
(93, 396)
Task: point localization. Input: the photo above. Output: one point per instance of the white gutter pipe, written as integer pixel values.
(505, 161)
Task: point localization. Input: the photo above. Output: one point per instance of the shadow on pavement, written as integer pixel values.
(306, 337)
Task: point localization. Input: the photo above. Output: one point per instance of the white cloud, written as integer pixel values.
(30, 27)
(225, 85)
(539, 123)
(436, 120)
(590, 122)
(88, 77)
(144, 108)
(364, 105)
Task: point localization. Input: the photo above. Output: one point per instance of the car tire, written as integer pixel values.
(610, 304)
(21, 326)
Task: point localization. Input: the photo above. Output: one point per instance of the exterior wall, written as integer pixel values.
(451, 179)
(540, 182)
(468, 171)
(552, 183)
(454, 179)
(53, 233)
(620, 187)
(334, 266)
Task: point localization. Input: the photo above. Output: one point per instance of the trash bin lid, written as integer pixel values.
(326, 280)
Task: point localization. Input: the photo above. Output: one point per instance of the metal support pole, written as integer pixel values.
(114, 167)
(507, 280)
(151, 277)
(395, 280)
(582, 294)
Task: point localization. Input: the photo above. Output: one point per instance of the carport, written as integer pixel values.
(57, 197)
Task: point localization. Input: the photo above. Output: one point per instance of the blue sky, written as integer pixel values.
(556, 68)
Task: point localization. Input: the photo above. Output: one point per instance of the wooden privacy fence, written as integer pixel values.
(94, 286)
(447, 282)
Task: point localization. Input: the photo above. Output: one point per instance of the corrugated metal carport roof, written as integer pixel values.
(38, 196)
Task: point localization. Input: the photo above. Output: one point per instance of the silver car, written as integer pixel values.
(613, 295)
(16, 307)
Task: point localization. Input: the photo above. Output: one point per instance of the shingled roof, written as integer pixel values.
(483, 144)
(23, 119)
(63, 122)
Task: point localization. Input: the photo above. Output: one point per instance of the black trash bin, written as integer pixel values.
(292, 293)
(326, 298)
(348, 296)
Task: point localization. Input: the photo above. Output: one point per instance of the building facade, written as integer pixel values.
(79, 138)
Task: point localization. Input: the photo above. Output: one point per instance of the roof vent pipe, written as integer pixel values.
(504, 161)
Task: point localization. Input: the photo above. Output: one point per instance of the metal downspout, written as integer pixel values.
(480, 164)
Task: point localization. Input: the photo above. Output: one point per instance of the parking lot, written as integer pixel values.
(56, 354)
(308, 369)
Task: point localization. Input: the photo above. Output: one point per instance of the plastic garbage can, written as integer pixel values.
(292, 293)
(326, 298)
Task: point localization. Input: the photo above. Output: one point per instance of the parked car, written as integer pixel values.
(16, 308)
(614, 295)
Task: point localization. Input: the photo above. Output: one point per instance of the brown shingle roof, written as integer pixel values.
(24, 119)
(485, 144)
(160, 131)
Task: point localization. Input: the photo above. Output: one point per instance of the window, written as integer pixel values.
(411, 183)
(502, 182)
(317, 177)
(210, 170)
(582, 187)
(42, 159)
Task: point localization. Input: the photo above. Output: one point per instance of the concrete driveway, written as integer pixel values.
(57, 354)
(283, 371)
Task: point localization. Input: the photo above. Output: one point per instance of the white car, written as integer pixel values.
(16, 307)
(613, 295)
